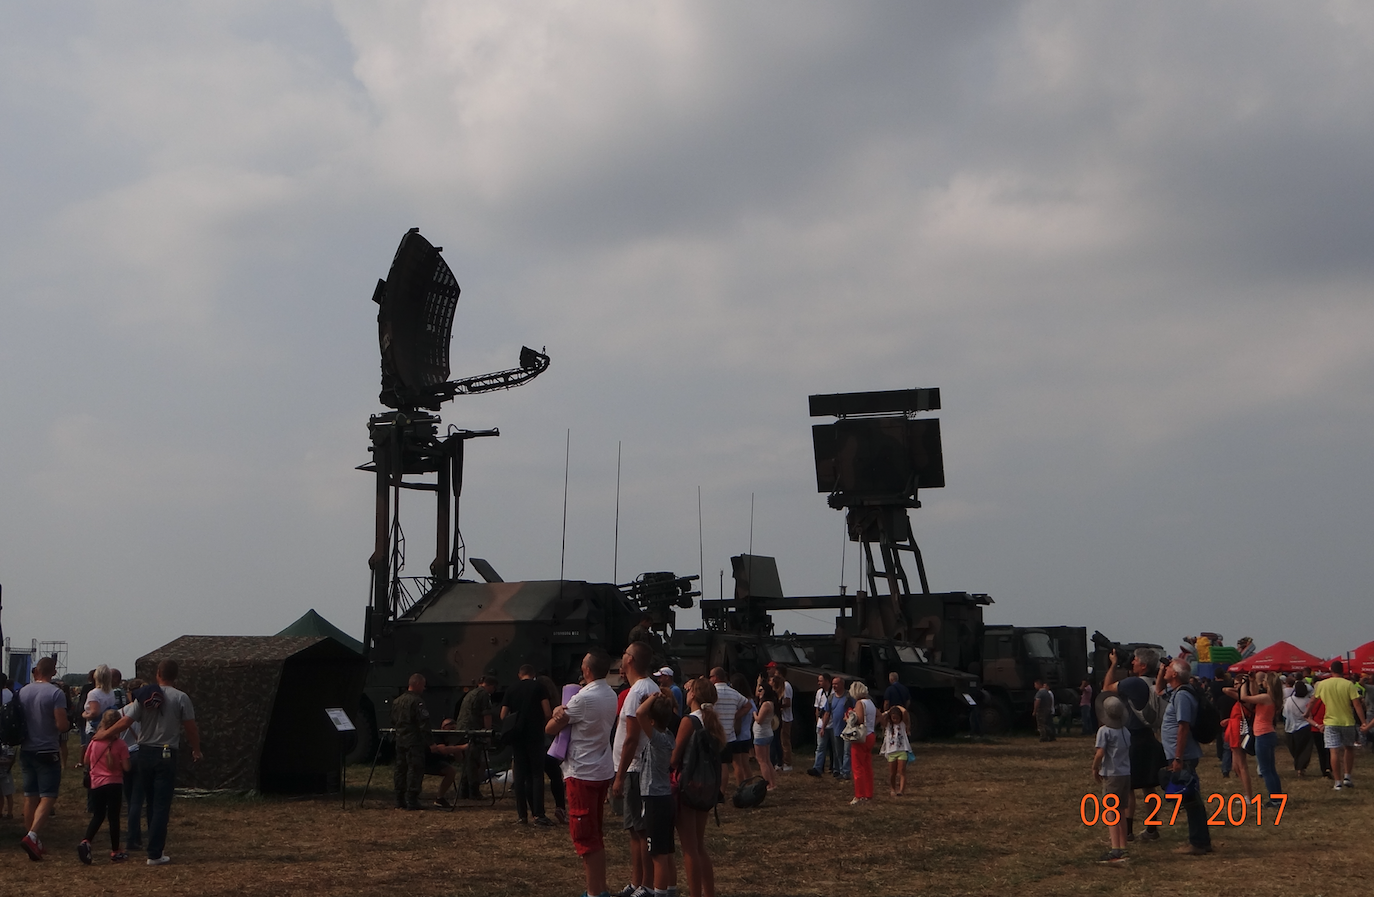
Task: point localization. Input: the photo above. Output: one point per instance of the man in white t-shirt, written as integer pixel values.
(625, 792)
(733, 709)
(588, 767)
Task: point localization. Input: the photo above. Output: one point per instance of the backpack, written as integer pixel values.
(1152, 715)
(751, 793)
(14, 726)
(698, 782)
(1207, 721)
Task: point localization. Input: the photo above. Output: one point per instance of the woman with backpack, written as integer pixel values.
(696, 760)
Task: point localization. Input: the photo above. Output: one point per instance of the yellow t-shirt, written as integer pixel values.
(1337, 693)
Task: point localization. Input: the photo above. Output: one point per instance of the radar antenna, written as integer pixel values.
(416, 303)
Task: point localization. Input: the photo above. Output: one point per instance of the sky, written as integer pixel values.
(1130, 243)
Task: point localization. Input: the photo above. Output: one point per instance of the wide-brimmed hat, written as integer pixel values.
(1113, 712)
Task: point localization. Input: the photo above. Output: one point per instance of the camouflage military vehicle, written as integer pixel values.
(462, 630)
(739, 635)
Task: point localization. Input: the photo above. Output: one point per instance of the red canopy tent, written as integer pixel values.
(1279, 657)
(1362, 659)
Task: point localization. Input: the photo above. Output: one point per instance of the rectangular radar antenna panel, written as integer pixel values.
(877, 451)
(415, 323)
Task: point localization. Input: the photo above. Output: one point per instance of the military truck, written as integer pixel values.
(945, 652)
(462, 630)
(1013, 657)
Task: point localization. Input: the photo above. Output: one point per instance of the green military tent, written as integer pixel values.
(312, 623)
(260, 706)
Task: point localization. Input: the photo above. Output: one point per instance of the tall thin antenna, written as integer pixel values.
(567, 454)
(701, 549)
(615, 556)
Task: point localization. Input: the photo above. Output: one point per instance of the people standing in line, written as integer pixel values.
(625, 791)
(656, 715)
(589, 767)
(1265, 696)
(108, 761)
(1112, 769)
(865, 713)
(1182, 753)
(691, 822)
(1085, 707)
(1044, 711)
(45, 716)
(162, 711)
(762, 730)
(733, 709)
(1298, 728)
(529, 702)
(1147, 756)
(1343, 703)
(475, 713)
(820, 704)
(897, 749)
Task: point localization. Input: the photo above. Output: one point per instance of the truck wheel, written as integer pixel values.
(921, 725)
(996, 717)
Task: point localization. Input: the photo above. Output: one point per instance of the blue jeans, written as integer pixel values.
(822, 748)
(1089, 719)
(154, 782)
(1265, 746)
(841, 749)
(1198, 833)
(1224, 754)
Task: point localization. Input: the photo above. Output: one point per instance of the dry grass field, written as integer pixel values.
(993, 818)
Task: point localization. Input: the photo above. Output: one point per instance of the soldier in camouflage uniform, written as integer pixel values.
(410, 719)
(475, 713)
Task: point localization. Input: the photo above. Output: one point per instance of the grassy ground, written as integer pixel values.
(992, 818)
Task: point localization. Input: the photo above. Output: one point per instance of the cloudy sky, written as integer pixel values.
(1131, 243)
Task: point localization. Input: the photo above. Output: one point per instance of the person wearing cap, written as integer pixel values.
(665, 680)
(1112, 768)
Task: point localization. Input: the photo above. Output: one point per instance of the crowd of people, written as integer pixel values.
(1150, 725)
(130, 735)
(640, 750)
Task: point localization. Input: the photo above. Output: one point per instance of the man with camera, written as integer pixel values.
(1146, 755)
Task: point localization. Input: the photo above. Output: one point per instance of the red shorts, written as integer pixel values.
(586, 801)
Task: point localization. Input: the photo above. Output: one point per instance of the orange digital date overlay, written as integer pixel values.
(1108, 809)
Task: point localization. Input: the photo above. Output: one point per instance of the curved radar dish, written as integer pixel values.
(415, 325)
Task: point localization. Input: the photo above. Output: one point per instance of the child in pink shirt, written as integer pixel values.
(108, 760)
